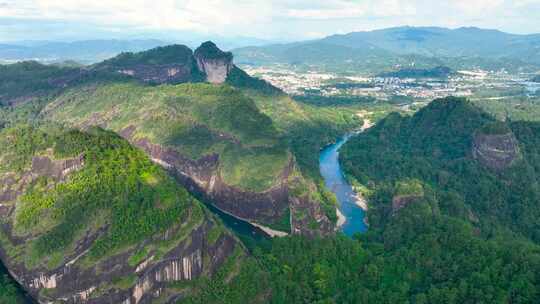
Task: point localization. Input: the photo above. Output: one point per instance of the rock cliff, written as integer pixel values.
(213, 62)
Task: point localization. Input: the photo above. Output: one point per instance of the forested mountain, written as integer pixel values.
(373, 51)
(443, 42)
(452, 188)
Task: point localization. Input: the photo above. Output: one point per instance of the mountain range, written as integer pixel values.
(405, 46)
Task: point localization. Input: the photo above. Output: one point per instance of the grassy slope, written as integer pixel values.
(196, 119)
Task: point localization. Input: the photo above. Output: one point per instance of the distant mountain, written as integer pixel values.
(87, 51)
(443, 42)
(400, 46)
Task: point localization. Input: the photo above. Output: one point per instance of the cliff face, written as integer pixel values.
(202, 176)
(46, 201)
(213, 62)
(495, 151)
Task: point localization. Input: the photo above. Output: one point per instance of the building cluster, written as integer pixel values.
(461, 84)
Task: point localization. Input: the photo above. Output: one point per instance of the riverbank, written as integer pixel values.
(271, 232)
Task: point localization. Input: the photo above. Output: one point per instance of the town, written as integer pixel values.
(471, 84)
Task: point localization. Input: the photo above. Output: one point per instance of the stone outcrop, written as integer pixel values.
(213, 62)
(58, 169)
(207, 63)
(497, 151)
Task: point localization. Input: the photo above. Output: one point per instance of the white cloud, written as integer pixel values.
(278, 18)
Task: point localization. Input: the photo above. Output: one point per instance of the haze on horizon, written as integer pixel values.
(277, 20)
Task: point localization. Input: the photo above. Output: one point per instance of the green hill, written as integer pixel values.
(77, 202)
(487, 168)
(446, 202)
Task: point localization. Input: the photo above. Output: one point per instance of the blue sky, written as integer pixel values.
(269, 20)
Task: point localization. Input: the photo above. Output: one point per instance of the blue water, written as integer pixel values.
(336, 182)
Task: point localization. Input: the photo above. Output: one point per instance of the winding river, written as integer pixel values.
(336, 182)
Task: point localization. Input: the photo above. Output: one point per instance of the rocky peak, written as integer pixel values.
(212, 61)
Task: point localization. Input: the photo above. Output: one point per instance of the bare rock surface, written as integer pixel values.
(496, 152)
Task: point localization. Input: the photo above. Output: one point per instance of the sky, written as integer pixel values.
(277, 20)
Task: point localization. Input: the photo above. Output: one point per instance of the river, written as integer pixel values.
(336, 182)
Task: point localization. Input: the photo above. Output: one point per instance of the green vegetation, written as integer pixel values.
(495, 128)
(136, 198)
(233, 283)
(468, 237)
(209, 50)
(514, 108)
(416, 257)
(194, 119)
(329, 101)
(10, 293)
(435, 147)
(27, 80)
(171, 54)
(240, 79)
